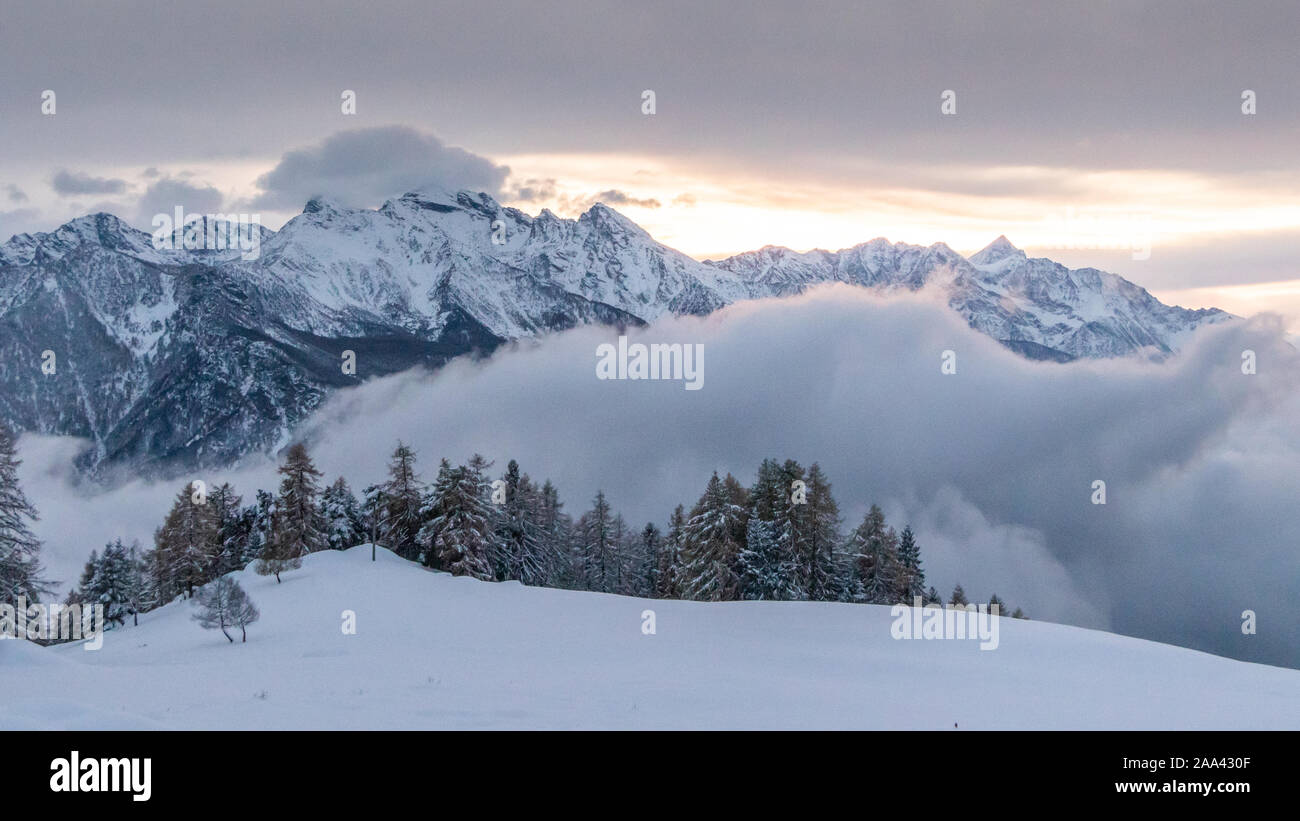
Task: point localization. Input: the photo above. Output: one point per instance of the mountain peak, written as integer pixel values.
(996, 251)
(601, 215)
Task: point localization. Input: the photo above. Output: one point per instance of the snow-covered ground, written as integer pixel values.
(434, 651)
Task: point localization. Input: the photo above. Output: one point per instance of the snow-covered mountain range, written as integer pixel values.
(191, 358)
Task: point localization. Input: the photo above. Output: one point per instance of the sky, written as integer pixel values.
(1108, 134)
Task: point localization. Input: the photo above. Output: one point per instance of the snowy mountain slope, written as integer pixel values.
(172, 359)
(432, 651)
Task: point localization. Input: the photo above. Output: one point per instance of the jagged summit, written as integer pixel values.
(190, 358)
(996, 251)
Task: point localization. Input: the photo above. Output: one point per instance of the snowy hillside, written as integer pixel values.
(193, 358)
(435, 651)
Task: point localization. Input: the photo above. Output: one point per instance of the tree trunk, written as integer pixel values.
(244, 630)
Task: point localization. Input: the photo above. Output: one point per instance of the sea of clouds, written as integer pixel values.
(993, 466)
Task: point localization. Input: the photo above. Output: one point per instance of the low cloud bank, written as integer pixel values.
(993, 465)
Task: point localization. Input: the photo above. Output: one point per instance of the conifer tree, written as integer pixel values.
(299, 528)
(111, 583)
(599, 548)
(519, 554)
(647, 569)
(404, 499)
(462, 525)
(554, 528)
(821, 536)
(21, 573)
(343, 527)
(874, 547)
(958, 597)
(761, 568)
(791, 519)
(431, 513)
(232, 531)
(912, 584)
(259, 519)
(668, 576)
(772, 566)
(711, 555)
(187, 547)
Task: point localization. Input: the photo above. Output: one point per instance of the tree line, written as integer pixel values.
(779, 538)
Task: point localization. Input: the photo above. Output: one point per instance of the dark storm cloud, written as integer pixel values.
(367, 166)
(73, 183)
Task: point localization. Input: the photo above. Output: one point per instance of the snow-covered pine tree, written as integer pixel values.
(932, 596)
(760, 563)
(463, 525)
(958, 597)
(769, 566)
(110, 584)
(738, 495)
(711, 554)
(512, 530)
(554, 533)
(651, 544)
(21, 573)
(139, 592)
(535, 564)
(621, 566)
(431, 513)
(223, 603)
(78, 594)
(667, 578)
(874, 548)
(343, 528)
(599, 548)
(912, 584)
(791, 519)
(232, 533)
(404, 499)
(259, 520)
(299, 528)
(1002, 609)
